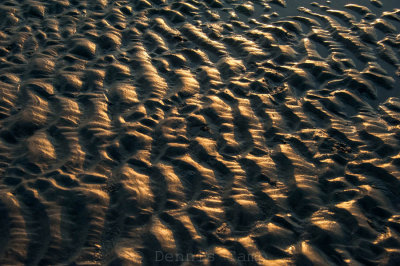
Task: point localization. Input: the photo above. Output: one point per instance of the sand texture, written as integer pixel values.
(215, 132)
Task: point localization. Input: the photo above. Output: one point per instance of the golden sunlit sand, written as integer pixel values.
(215, 132)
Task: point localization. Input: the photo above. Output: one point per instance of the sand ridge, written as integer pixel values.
(216, 132)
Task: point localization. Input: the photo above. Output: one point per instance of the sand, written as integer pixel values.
(215, 132)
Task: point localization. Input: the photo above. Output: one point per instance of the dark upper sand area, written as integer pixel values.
(215, 132)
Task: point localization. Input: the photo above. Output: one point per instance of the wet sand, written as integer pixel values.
(215, 132)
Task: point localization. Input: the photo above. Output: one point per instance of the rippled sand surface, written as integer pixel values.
(215, 132)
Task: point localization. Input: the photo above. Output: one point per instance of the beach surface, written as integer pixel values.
(215, 132)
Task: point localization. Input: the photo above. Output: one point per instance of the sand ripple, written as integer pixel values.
(215, 132)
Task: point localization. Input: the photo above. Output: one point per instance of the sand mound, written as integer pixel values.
(216, 132)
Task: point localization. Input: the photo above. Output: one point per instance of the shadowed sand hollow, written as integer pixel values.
(215, 132)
